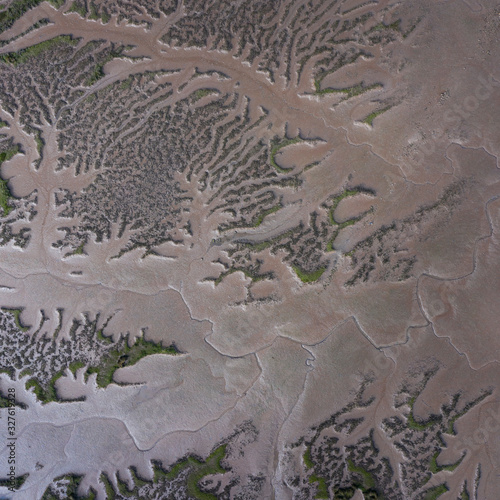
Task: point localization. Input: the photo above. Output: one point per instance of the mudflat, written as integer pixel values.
(248, 250)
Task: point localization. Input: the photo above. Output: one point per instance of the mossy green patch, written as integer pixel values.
(196, 469)
(127, 357)
(212, 465)
(138, 480)
(337, 199)
(123, 487)
(321, 489)
(435, 468)
(260, 217)
(78, 7)
(464, 494)
(5, 196)
(9, 371)
(309, 277)
(126, 84)
(253, 274)
(17, 318)
(311, 165)
(24, 55)
(451, 424)
(15, 11)
(5, 193)
(344, 493)
(94, 14)
(329, 244)
(414, 424)
(348, 92)
(262, 245)
(75, 366)
(71, 482)
(79, 250)
(368, 481)
(435, 492)
(46, 394)
(40, 143)
(7, 403)
(395, 26)
(258, 247)
(369, 119)
(198, 94)
(98, 71)
(108, 487)
(340, 225)
(104, 338)
(91, 496)
(278, 144)
(38, 389)
(18, 482)
(105, 17)
(105, 370)
(9, 153)
(57, 3)
(307, 458)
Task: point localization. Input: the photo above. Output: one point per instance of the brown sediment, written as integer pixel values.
(306, 228)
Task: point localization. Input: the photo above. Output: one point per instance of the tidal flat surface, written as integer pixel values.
(249, 250)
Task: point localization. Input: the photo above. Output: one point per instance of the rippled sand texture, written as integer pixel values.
(248, 250)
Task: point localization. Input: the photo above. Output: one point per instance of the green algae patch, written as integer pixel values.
(5, 196)
(341, 225)
(198, 470)
(307, 277)
(7, 403)
(416, 425)
(75, 366)
(464, 494)
(127, 357)
(79, 8)
(15, 11)
(264, 214)
(435, 468)
(195, 469)
(57, 3)
(198, 94)
(104, 370)
(70, 484)
(46, 394)
(98, 71)
(80, 250)
(17, 318)
(321, 489)
(18, 482)
(276, 146)
(108, 486)
(346, 193)
(307, 458)
(5, 193)
(395, 26)
(348, 92)
(251, 273)
(368, 481)
(451, 424)
(435, 492)
(24, 55)
(369, 119)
